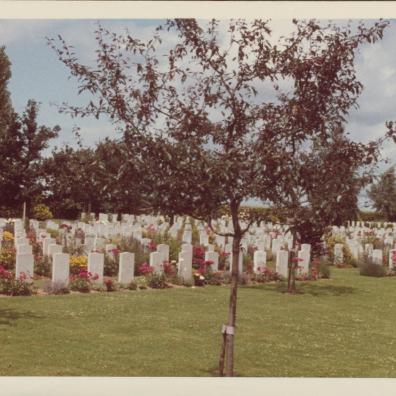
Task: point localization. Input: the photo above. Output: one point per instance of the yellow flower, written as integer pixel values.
(8, 236)
(78, 261)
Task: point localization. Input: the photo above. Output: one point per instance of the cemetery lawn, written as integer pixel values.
(343, 327)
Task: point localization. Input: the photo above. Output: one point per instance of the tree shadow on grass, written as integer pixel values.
(312, 289)
(9, 316)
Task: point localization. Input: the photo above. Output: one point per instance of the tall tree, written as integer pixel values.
(102, 178)
(383, 194)
(21, 146)
(202, 124)
(5, 101)
(70, 181)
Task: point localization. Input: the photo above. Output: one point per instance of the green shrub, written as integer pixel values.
(244, 278)
(82, 282)
(187, 283)
(156, 281)
(134, 246)
(226, 277)
(324, 269)
(12, 286)
(53, 233)
(331, 241)
(199, 280)
(175, 280)
(110, 285)
(214, 279)
(375, 241)
(266, 275)
(55, 288)
(110, 266)
(141, 282)
(7, 256)
(132, 285)
(42, 212)
(42, 266)
(368, 268)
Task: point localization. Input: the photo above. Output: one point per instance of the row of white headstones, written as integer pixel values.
(60, 261)
(376, 255)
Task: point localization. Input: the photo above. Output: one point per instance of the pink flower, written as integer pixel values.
(146, 269)
(297, 259)
(152, 246)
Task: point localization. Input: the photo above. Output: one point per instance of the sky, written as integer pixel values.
(38, 74)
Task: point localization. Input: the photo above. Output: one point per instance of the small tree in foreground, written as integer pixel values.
(211, 124)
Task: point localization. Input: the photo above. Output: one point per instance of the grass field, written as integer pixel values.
(343, 327)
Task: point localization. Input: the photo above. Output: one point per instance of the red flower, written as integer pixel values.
(199, 252)
(146, 269)
(151, 246)
(4, 274)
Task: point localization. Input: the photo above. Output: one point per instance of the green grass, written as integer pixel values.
(343, 327)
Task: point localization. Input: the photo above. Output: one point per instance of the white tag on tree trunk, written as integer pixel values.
(227, 330)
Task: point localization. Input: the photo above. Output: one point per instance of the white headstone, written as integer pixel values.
(210, 248)
(259, 260)
(89, 243)
(53, 249)
(46, 243)
(163, 249)
(187, 247)
(213, 256)
(306, 246)
(276, 245)
(377, 256)
(24, 264)
(304, 256)
(21, 241)
(109, 250)
(185, 265)
(24, 249)
(338, 253)
(60, 268)
(368, 249)
(96, 265)
(127, 268)
(282, 263)
(156, 261)
(391, 262)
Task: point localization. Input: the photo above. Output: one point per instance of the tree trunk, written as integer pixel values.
(24, 213)
(227, 351)
(291, 287)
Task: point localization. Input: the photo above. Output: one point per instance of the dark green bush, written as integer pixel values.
(156, 281)
(110, 266)
(368, 268)
(132, 285)
(11, 286)
(214, 279)
(56, 288)
(42, 266)
(324, 269)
